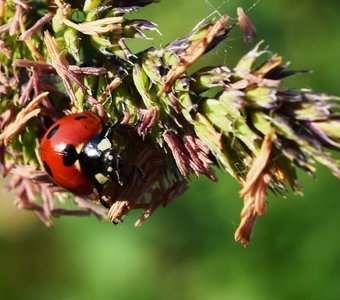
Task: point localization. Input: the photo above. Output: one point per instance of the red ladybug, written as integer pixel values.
(77, 153)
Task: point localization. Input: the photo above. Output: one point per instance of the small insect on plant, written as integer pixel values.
(77, 153)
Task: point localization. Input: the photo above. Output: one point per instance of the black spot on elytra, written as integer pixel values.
(53, 131)
(70, 155)
(48, 169)
(80, 118)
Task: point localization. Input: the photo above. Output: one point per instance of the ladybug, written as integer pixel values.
(77, 153)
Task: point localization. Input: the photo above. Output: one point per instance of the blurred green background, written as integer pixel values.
(187, 250)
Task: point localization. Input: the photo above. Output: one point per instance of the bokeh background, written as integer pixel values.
(187, 250)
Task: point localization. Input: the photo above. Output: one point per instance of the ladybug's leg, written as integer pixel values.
(108, 131)
(104, 200)
(118, 166)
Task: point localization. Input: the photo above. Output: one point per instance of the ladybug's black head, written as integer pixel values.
(112, 165)
(99, 161)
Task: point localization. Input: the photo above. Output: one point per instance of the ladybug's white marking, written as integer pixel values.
(110, 157)
(77, 165)
(109, 169)
(105, 198)
(104, 145)
(59, 148)
(102, 179)
(79, 147)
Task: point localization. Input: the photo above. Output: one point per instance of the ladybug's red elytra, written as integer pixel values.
(77, 153)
